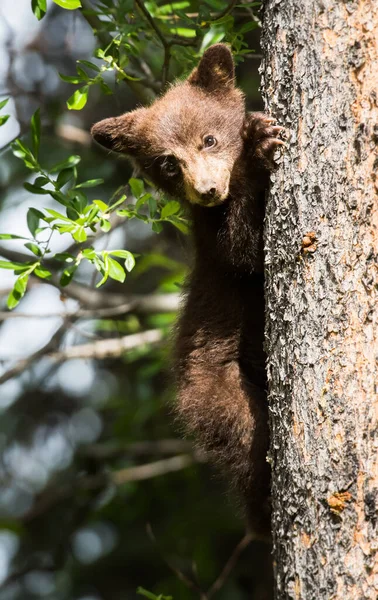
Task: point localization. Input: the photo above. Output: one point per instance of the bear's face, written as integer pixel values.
(188, 141)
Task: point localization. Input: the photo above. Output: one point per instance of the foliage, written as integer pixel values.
(140, 48)
(142, 592)
(183, 37)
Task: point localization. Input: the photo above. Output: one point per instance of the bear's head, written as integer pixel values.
(188, 141)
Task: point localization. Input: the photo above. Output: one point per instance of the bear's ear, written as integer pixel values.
(216, 69)
(119, 133)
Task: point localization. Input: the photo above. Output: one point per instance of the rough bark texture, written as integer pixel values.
(320, 79)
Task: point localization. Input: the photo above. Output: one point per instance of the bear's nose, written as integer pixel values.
(209, 195)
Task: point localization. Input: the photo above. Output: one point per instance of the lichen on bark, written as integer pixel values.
(320, 80)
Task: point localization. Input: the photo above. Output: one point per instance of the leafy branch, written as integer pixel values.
(79, 218)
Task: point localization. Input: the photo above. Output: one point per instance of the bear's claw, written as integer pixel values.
(261, 134)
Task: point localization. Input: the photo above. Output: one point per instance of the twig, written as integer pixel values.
(192, 585)
(97, 300)
(227, 10)
(52, 496)
(150, 20)
(154, 469)
(25, 363)
(167, 44)
(74, 134)
(101, 349)
(51, 263)
(114, 450)
(230, 564)
(147, 304)
(96, 25)
(98, 349)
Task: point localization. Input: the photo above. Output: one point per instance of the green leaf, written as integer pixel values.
(126, 212)
(34, 189)
(180, 224)
(64, 257)
(11, 236)
(98, 263)
(36, 131)
(79, 234)
(65, 176)
(33, 216)
(104, 268)
(68, 274)
(137, 187)
(152, 206)
(33, 248)
(4, 103)
(72, 161)
(248, 27)
(143, 592)
(89, 253)
(171, 208)
(84, 76)
(128, 256)
(157, 227)
(79, 99)
(102, 206)
(168, 9)
(42, 272)
(19, 287)
(60, 197)
(21, 151)
(184, 32)
(119, 201)
(90, 183)
(68, 4)
(69, 78)
(7, 264)
(4, 119)
(105, 225)
(59, 216)
(39, 8)
(213, 36)
(41, 181)
(64, 228)
(142, 200)
(115, 270)
(105, 88)
(80, 201)
(90, 65)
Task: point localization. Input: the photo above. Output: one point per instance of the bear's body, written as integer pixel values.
(199, 145)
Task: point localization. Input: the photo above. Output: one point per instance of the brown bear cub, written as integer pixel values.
(198, 144)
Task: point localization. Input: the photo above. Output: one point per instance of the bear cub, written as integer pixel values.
(198, 144)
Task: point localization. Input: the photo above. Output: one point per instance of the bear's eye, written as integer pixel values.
(209, 141)
(170, 166)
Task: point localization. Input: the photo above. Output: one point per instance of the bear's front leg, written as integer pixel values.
(261, 137)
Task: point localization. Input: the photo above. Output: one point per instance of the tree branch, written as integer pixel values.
(52, 496)
(101, 349)
(96, 25)
(114, 450)
(146, 304)
(154, 469)
(227, 10)
(167, 44)
(98, 303)
(24, 364)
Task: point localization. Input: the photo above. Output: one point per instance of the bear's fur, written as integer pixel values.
(220, 362)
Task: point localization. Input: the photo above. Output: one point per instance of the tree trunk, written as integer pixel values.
(320, 80)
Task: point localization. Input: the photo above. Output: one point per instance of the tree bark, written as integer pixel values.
(320, 80)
